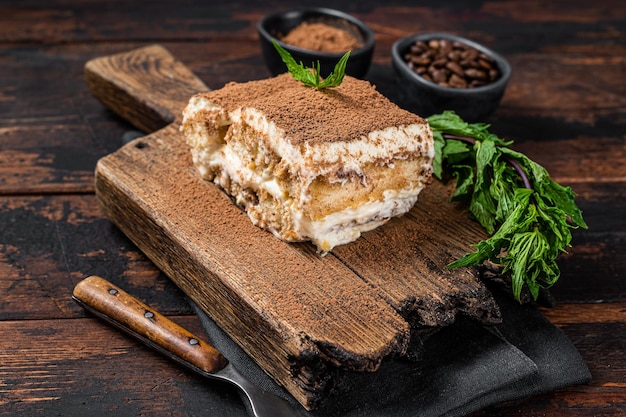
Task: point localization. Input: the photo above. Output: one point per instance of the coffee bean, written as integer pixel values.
(455, 68)
(419, 60)
(457, 81)
(467, 63)
(440, 62)
(475, 74)
(445, 46)
(470, 54)
(484, 64)
(454, 55)
(451, 64)
(439, 75)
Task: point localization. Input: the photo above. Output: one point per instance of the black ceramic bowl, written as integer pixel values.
(426, 97)
(277, 25)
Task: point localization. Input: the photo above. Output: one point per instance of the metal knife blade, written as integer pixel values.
(120, 309)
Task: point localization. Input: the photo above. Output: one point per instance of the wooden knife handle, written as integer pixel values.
(124, 311)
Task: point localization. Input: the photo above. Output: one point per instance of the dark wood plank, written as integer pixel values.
(593, 269)
(191, 21)
(47, 142)
(53, 130)
(96, 21)
(49, 243)
(92, 369)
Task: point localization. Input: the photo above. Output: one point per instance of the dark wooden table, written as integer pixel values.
(565, 108)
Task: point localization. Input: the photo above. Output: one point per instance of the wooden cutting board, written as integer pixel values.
(299, 315)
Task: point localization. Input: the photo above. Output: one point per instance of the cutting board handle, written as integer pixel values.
(147, 87)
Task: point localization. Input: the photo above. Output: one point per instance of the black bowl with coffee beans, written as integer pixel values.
(441, 71)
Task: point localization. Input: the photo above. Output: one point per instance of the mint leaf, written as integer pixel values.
(335, 78)
(311, 76)
(528, 216)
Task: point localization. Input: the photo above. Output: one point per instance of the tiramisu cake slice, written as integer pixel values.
(308, 164)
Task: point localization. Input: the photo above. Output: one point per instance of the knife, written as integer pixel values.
(120, 309)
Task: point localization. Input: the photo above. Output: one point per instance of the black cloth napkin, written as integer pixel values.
(464, 368)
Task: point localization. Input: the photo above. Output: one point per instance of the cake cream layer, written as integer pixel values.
(306, 164)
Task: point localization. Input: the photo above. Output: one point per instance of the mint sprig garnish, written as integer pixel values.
(311, 76)
(528, 215)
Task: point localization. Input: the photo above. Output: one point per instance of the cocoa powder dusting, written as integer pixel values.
(343, 113)
(318, 296)
(321, 37)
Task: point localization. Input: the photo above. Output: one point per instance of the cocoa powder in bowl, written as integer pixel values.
(275, 27)
(322, 37)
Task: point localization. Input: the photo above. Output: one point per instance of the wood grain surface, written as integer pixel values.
(564, 107)
(317, 313)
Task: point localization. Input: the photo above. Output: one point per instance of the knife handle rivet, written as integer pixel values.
(112, 291)
(148, 314)
(193, 341)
